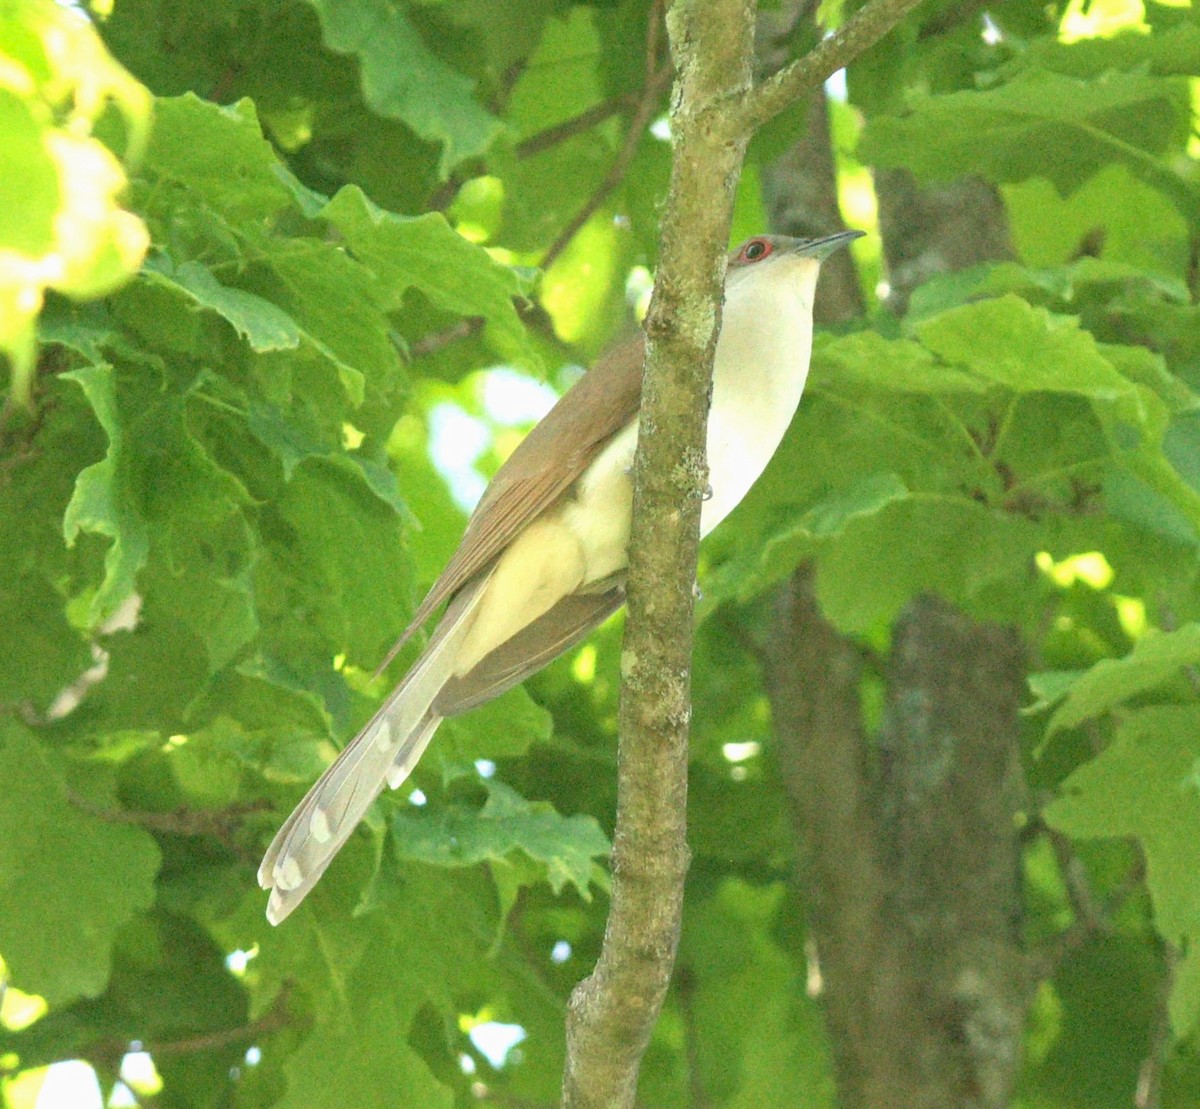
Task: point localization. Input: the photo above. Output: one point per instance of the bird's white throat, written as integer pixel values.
(760, 369)
(759, 373)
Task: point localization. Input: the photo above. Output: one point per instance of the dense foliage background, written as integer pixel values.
(279, 281)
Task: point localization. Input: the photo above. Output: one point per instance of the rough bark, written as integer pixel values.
(799, 192)
(613, 1011)
(714, 111)
(812, 678)
(912, 864)
(800, 186)
(908, 852)
(951, 790)
(928, 230)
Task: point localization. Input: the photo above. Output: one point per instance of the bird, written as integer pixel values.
(543, 557)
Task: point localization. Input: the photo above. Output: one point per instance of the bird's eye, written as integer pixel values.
(755, 250)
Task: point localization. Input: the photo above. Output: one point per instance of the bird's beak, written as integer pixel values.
(820, 249)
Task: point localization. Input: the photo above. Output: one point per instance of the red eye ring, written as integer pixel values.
(756, 250)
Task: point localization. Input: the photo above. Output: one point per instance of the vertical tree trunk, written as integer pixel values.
(929, 230)
(951, 788)
(909, 857)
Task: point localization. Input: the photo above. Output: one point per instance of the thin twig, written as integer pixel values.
(1089, 915)
(685, 987)
(1093, 915)
(219, 824)
(532, 314)
(568, 129)
(436, 340)
(1148, 1092)
(1170, 623)
(539, 142)
(658, 76)
(224, 84)
(271, 1021)
(112, 1050)
(654, 30)
(860, 32)
(208, 1041)
(647, 105)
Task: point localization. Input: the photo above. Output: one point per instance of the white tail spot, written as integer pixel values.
(287, 875)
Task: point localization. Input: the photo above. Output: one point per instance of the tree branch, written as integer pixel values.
(652, 92)
(612, 1013)
(222, 825)
(576, 125)
(860, 32)
(1148, 1094)
(812, 681)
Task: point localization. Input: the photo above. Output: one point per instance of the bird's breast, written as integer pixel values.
(761, 366)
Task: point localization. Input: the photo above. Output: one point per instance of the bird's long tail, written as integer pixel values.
(385, 751)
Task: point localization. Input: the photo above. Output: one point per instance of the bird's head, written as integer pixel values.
(779, 257)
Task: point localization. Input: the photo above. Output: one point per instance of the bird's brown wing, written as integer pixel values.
(529, 650)
(535, 475)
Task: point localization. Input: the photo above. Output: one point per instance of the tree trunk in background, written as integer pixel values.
(800, 187)
(800, 191)
(936, 229)
(909, 858)
(951, 788)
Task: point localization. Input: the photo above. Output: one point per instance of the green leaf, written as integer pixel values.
(285, 436)
(334, 301)
(1146, 368)
(342, 560)
(262, 324)
(402, 78)
(786, 548)
(364, 1050)
(61, 225)
(951, 546)
(1009, 343)
(44, 653)
(69, 880)
(867, 360)
(1156, 658)
(1086, 1039)
(219, 155)
(503, 728)
(1041, 125)
(103, 503)
(43, 650)
(425, 253)
(541, 190)
(566, 846)
(1168, 50)
(265, 718)
(1050, 687)
(1136, 223)
(758, 1039)
(1147, 784)
(366, 984)
(29, 186)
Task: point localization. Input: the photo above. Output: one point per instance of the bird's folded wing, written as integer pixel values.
(529, 650)
(538, 472)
